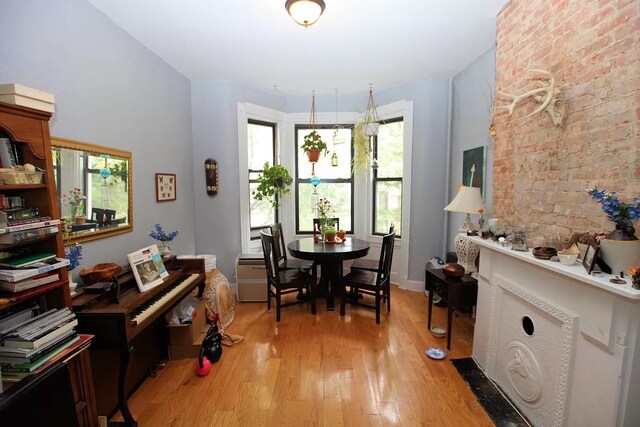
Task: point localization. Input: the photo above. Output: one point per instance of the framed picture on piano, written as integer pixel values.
(147, 267)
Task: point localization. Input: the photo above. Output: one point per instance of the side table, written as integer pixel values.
(457, 292)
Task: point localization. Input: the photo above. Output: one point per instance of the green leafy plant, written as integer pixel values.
(274, 180)
(313, 141)
(361, 150)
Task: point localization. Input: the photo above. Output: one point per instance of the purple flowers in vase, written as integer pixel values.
(622, 214)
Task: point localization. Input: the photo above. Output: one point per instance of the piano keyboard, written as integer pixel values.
(150, 307)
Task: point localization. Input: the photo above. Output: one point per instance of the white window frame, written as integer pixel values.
(248, 111)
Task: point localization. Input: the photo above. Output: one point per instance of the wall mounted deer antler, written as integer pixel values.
(547, 95)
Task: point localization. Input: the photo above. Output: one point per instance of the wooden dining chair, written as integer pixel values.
(281, 251)
(376, 283)
(369, 264)
(282, 282)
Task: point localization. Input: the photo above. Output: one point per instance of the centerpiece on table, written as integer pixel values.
(621, 247)
(325, 218)
(159, 234)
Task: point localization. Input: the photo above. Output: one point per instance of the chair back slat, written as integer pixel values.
(280, 248)
(270, 257)
(386, 257)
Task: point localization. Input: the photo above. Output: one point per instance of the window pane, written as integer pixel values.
(110, 192)
(260, 145)
(390, 152)
(262, 213)
(323, 168)
(339, 194)
(388, 206)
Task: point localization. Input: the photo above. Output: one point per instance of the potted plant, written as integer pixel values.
(274, 180)
(620, 248)
(75, 202)
(164, 238)
(313, 145)
(330, 233)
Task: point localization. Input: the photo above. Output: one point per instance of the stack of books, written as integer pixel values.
(29, 347)
(23, 272)
(18, 225)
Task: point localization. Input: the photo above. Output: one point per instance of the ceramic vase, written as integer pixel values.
(620, 254)
(165, 249)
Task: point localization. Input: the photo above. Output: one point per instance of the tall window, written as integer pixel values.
(261, 137)
(336, 183)
(387, 178)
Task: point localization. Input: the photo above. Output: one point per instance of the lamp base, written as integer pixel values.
(467, 252)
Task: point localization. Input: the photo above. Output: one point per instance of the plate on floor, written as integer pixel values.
(435, 353)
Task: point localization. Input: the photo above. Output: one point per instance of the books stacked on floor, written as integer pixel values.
(21, 267)
(32, 344)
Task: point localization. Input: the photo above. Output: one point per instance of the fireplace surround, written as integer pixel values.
(563, 346)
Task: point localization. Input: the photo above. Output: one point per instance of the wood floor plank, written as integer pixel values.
(322, 370)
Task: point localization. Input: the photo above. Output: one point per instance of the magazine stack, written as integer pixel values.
(29, 344)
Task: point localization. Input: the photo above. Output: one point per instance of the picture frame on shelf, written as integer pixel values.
(590, 258)
(166, 187)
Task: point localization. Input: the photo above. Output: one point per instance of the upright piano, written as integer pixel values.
(129, 329)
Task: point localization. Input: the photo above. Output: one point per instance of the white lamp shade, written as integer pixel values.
(305, 12)
(468, 200)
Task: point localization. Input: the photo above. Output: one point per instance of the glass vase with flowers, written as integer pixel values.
(164, 238)
(325, 214)
(74, 201)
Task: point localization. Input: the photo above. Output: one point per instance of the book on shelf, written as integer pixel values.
(23, 285)
(29, 226)
(8, 157)
(12, 320)
(16, 214)
(30, 367)
(16, 355)
(33, 270)
(42, 337)
(147, 267)
(27, 235)
(27, 221)
(26, 260)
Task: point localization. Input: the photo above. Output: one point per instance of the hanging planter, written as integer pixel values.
(313, 143)
(273, 181)
(371, 119)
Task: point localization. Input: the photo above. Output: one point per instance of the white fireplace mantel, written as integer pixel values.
(563, 345)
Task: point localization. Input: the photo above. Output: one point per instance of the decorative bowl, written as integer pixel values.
(438, 332)
(544, 252)
(453, 270)
(99, 273)
(567, 259)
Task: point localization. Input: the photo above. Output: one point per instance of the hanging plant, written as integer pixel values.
(371, 119)
(361, 150)
(313, 142)
(273, 181)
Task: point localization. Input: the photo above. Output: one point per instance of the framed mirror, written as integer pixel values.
(94, 188)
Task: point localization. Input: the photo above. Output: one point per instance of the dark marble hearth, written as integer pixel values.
(492, 400)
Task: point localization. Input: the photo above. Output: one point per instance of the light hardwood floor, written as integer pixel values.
(322, 370)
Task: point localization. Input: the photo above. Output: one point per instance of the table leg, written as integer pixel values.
(430, 308)
(449, 318)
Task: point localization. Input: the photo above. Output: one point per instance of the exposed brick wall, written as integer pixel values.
(540, 171)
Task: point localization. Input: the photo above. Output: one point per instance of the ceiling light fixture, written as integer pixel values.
(305, 12)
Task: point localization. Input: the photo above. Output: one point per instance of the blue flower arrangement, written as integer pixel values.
(622, 214)
(158, 234)
(74, 255)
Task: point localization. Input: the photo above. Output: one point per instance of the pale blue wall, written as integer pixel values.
(109, 90)
(215, 135)
(472, 103)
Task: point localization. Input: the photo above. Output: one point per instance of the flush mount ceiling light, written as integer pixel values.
(305, 12)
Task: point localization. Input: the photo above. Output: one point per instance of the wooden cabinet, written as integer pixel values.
(28, 131)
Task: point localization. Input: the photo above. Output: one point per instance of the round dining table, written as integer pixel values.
(329, 256)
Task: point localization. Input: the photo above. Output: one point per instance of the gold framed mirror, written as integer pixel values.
(94, 188)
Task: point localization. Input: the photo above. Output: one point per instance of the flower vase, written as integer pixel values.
(165, 249)
(620, 255)
(322, 235)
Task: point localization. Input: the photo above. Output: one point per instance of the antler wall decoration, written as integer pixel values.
(547, 95)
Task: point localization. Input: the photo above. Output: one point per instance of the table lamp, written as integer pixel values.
(468, 200)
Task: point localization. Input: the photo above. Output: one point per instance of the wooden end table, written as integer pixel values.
(457, 292)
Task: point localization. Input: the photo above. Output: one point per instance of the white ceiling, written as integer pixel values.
(355, 42)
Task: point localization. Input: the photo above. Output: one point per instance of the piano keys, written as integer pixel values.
(123, 319)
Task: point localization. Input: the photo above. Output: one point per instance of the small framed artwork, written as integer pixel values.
(165, 187)
(473, 161)
(590, 256)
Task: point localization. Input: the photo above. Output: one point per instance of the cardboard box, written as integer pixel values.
(187, 334)
(18, 94)
(191, 351)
